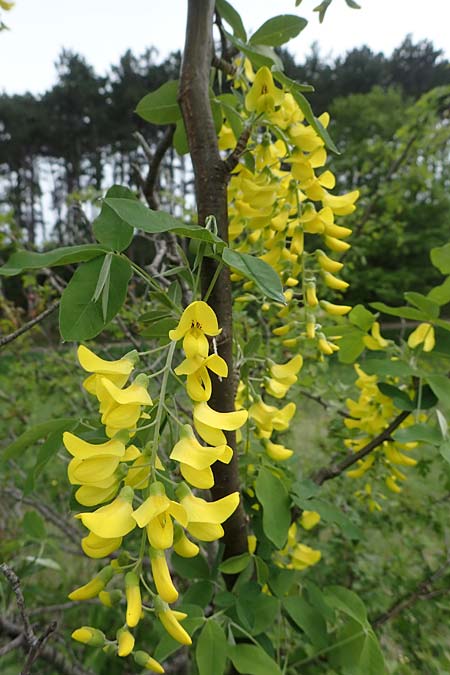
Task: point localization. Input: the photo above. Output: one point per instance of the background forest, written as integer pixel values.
(59, 150)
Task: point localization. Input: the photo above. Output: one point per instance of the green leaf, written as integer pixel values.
(350, 347)
(28, 260)
(262, 274)
(180, 141)
(322, 9)
(418, 432)
(403, 312)
(273, 497)
(371, 660)
(440, 294)
(353, 4)
(440, 257)
(46, 452)
(80, 318)
(445, 451)
(159, 329)
(30, 436)
(308, 619)
(211, 651)
(259, 55)
(199, 593)
(305, 107)
(154, 222)
(400, 398)
(252, 660)
(257, 611)
(33, 525)
(440, 385)
(361, 317)
(108, 228)
(190, 568)
(348, 602)
(161, 106)
(229, 103)
(386, 367)
(232, 17)
(278, 30)
(236, 564)
(425, 304)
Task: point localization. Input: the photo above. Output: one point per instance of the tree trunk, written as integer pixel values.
(211, 194)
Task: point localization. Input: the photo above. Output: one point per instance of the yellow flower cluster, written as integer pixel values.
(276, 198)
(113, 471)
(370, 415)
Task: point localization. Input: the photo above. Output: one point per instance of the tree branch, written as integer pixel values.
(423, 591)
(334, 470)
(233, 158)
(154, 159)
(27, 326)
(210, 189)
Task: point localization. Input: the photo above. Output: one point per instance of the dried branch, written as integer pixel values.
(14, 582)
(10, 646)
(154, 159)
(323, 403)
(334, 470)
(27, 326)
(423, 591)
(50, 654)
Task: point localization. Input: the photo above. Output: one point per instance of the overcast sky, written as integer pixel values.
(102, 30)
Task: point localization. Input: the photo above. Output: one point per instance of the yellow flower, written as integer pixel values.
(309, 519)
(341, 205)
(251, 543)
(287, 372)
(263, 95)
(303, 556)
(134, 602)
(198, 315)
(335, 310)
(196, 459)
(161, 576)
(93, 587)
(170, 619)
(423, 334)
(156, 515)
(115, 371)
(198, 382)
(125, 642)
(182, 545)
(205, 518)
(311, 297)
(113, 520)
(333, 282)
(278, 452)
(328, 264)
(391, 483)
(99, 547)
(227, 421)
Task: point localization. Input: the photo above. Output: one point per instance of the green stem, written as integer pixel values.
(213, 281)
(160, 408)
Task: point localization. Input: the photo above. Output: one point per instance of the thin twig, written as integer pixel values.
(423, 591)
(223, 65)
(334, 470)
(33, 654)
(14, 582)
(50, 654)
(10, 646)
(27, 326)
(154, 159)
(233, 158)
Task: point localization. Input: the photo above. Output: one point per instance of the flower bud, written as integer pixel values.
(134, 602)
(89, 636)
(161, 576)
(146, 661)
(125, 642)
(93, 587)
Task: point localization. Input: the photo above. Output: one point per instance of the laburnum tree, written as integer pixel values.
(201, 519)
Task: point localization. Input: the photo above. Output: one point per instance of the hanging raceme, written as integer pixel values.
(131, 492)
